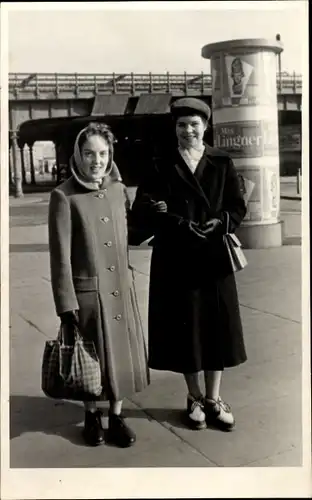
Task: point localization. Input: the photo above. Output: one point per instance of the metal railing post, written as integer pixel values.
(294, 83)
(132, 84)
(76, 85)
(168, 82)
(185, 83)
(114, 84)
(56, 85)
(15, 86)
(150, 82)
(202, 82)
(37, 85)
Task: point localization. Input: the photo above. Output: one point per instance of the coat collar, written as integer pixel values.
(114, 176)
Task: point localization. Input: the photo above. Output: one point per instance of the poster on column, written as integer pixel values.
(271, 194)
(247, 139)
(250, 182)
(247, 79)
(216, 94)
(267, 78)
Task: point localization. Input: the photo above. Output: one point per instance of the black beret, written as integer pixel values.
(189, 106)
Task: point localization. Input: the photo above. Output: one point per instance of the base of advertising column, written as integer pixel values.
(262, 236)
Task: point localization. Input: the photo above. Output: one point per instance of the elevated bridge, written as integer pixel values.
(42, 104)
(78, 85)
(54, 95)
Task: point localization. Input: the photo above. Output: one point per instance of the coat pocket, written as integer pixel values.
(85, 284)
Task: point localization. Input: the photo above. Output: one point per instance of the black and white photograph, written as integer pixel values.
(154, 250)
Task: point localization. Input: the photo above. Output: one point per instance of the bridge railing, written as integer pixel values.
(36, 84)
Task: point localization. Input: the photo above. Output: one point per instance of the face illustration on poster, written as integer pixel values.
(238, 73)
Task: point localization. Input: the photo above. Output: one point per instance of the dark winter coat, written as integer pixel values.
(194, 317)
(90, 273)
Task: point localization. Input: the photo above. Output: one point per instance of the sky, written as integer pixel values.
(106, 41)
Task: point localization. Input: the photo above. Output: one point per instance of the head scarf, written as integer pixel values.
(76, 165)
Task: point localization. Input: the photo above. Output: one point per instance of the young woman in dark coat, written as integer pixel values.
(194, 317)
(92, 281)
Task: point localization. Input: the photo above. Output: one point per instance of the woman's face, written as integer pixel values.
(190, 130)
(95, 157)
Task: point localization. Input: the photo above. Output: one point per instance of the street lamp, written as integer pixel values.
(278, 39)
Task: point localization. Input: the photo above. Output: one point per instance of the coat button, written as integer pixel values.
(118, 317)
(101, 195)
(112, 268)
(116, 293)
(109, 243)
(104, 219)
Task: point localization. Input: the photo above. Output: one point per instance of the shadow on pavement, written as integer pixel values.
(171, 416)
(41, 187)
(29, 414)
(28, 215)
(28, 247)
(32, 210)
(292, 240)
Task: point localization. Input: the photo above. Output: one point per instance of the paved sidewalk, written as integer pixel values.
(289, 189)
(265, 392)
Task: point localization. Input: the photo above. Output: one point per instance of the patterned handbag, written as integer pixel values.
(71, 371)
(234, 248)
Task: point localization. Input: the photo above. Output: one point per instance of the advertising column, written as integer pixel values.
(245, 124)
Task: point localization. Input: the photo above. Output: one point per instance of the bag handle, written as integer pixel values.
(227, 215)
(60, 336)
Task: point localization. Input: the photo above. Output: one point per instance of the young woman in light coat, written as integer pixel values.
(91, 278)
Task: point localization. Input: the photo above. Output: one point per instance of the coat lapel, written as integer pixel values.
(208, 174)
(205, 171)
(183, 171)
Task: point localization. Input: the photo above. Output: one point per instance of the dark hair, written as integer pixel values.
(187, 112)
(100, 129)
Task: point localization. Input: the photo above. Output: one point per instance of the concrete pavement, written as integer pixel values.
(265, 392)
(289, 188)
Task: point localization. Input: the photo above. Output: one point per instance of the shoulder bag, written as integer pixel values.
(234, 248)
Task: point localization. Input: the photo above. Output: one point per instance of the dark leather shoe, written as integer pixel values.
(119, 433)
(93, 431)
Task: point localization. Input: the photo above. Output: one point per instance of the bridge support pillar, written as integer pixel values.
(61, 161)
(22, 150)
(32, 165)
(17, 168)
(11, 180)
(245, 124)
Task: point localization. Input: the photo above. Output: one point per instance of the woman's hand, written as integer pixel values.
(70, 322)
(196, 231)
(210, 226)
(159, 206)
(69, 318)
